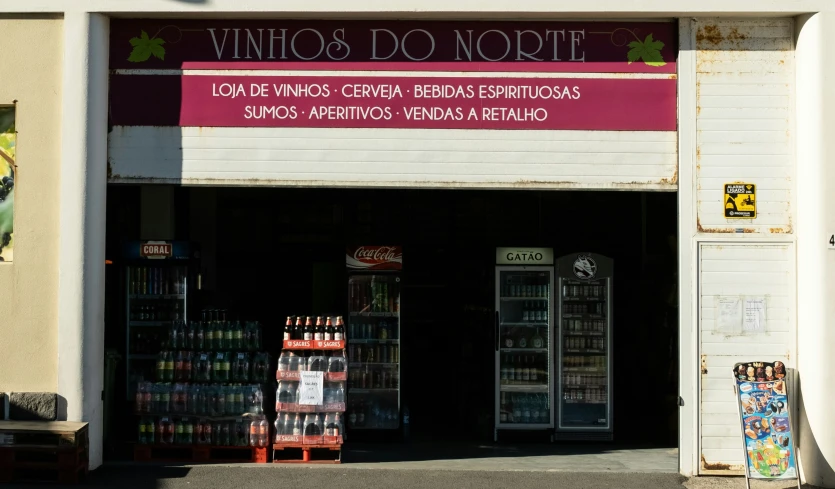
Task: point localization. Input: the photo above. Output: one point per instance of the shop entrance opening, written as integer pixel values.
(269, 253)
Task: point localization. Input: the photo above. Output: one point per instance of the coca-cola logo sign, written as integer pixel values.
(375, 258)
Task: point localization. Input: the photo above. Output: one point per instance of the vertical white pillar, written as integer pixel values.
(815, 264)
(688, 432)
(82, 225)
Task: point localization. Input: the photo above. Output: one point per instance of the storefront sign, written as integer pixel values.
(7, 182)
(374, 258)
(156, 249)
(766, 422)
(524, 256)
(547, 46)
(740, 201)
(414, 103)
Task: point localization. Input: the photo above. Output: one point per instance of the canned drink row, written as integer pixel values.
(584, 291)
(594, 308)
(584, 325)
(528, 290)
(584, 362)
(580, 342)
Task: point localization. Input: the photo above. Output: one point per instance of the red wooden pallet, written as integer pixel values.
(66, 465)
(198, 454)
(306, 449)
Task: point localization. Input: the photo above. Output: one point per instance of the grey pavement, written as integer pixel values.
(346, 477)
(435, 466)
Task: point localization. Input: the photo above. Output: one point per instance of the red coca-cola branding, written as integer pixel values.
(156, 250)
(288, 438)
(375, 258)
(313, 440)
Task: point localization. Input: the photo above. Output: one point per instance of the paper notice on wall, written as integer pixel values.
(310, 388)
(754, 314)
(729, 314)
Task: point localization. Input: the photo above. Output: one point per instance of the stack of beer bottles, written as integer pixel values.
(310, 399)
(207, 404)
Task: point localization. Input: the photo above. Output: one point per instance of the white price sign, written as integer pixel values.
(310, 388)
(831, 242)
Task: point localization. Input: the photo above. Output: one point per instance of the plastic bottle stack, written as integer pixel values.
(311, 417)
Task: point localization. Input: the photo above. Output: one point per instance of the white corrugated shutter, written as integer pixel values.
(731, 269)
(395, 157)
(744, 89)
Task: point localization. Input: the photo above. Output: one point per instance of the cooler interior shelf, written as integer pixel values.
(523, 388)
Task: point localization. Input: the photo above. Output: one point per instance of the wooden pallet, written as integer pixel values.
(43, 433)
(305, 453)
(53, 451)
(199, 454)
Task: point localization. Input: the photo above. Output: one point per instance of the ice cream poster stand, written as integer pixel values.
(764, 412)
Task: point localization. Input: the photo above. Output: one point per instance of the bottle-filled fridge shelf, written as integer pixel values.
(584, 369)
(525, 298)
(524, 350)
(523, 388)
(583, 316)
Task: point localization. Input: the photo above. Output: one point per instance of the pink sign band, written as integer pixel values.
(429, 102)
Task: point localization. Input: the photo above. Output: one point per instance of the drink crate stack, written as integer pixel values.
(310, 399)
(57, 451)
(207, 404)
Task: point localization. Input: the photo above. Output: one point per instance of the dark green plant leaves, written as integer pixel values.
(144, 48)
(648, 51)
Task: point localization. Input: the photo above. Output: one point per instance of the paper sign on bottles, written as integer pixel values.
(310, 388)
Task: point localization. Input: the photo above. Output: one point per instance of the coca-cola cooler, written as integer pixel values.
(373, 336)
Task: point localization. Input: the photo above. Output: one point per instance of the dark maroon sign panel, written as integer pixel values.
(402, 102)
(592, 47)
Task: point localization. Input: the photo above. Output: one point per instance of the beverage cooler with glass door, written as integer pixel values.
(523, 329)
(373, 336)
(156, 284)
(584, 345)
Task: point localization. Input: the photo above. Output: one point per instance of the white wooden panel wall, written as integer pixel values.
(739, 270)
(744, 83)
(394, 157)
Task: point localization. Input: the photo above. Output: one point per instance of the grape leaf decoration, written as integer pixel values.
(648, 51)
(144, 47)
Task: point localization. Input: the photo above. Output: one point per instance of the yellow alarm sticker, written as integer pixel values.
(740, 201)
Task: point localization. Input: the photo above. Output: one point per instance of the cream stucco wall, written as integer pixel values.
(30, 73)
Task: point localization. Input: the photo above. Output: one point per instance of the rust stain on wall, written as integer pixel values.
(712, 34)
(727, 230)
(714, 466)
(709, 33)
